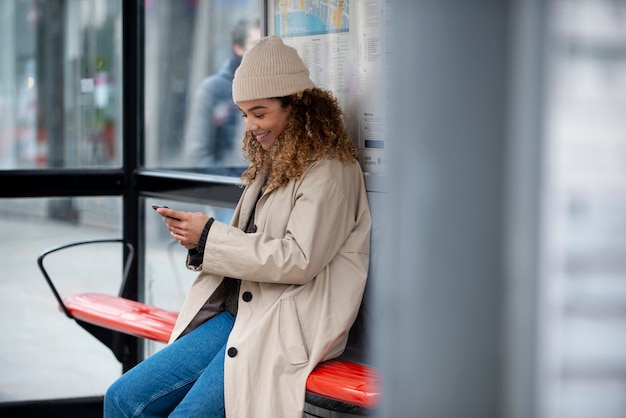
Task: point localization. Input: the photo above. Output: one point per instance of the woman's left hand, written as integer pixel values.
(185, 227)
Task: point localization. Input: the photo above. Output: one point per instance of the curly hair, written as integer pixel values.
(314, 131)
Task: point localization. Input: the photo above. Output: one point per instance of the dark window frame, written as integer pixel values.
(131, 182)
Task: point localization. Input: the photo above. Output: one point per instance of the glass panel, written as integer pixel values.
(191, 122)
(60, 84)
(167, 279)
(583, 323)
(44, 354)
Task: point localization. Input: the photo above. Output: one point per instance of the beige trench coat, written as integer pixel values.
(305, 269)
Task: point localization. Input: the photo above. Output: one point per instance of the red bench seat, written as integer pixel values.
(339, 380)
(122, 315)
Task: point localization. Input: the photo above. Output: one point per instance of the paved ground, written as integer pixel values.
(43, 354)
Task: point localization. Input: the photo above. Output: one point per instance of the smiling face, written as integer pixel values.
(265, 119)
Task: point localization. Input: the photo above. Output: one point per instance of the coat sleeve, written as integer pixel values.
(324, 212)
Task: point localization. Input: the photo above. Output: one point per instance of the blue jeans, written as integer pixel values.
(184, 379)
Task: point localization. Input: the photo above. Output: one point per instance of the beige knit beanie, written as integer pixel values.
(270, 69)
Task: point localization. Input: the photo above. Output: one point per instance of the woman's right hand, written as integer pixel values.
(185, 227)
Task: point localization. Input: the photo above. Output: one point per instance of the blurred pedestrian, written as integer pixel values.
(212, 137)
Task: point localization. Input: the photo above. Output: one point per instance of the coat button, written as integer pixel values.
(232, 352)
(247, 296)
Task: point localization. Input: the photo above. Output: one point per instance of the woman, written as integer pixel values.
(280, 287)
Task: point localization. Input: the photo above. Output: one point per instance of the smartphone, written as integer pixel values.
(155, 207)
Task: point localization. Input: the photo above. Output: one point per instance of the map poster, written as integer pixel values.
(311, 17)
(342, 42)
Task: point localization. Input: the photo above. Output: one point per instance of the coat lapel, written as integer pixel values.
(248, 201)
